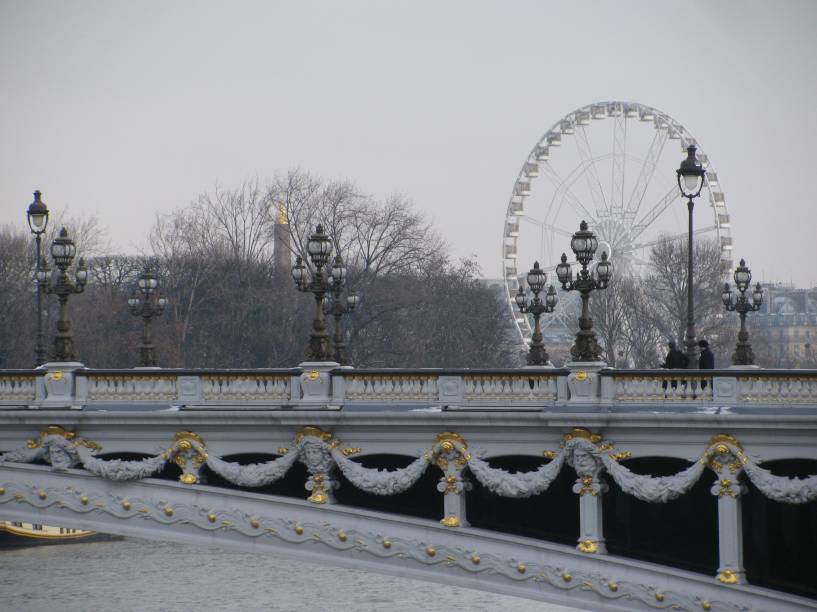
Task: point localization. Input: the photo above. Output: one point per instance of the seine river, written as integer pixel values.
(140, 575)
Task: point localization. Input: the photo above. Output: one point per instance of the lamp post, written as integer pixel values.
(584, 244)
(743, 354)
(338, 307)
(63, 251)
(319, 247)
(149, 305)
(537, 355)
(37, 214)
(690, 181)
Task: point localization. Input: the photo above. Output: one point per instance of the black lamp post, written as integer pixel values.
(319, 247)
(338, 307)
(149, 305)
(690, 181)
(537, 355)
(743, 354)
(584, 244)
(37, 214)
(63, 251)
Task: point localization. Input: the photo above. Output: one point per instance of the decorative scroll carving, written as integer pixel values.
(653, 489)
(380, 482)
(117, 469)
(524, 484)
(782, 488)
(255, 474)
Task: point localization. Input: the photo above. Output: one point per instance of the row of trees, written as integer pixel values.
(231, 306)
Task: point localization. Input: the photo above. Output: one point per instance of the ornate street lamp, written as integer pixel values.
(537, 355)
(63, 251)
(319, 247)
(337, 307)
(149, 305)
(690, 181)
(743, 354)
(584, 244)
(37, 214)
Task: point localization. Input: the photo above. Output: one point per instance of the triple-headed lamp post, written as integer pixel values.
(537, 355)
(743, 354)
(584, 244)
(691, 176)
(63, 251)
(319, 248)
(336, 306)
(37, 214)
(149, 305)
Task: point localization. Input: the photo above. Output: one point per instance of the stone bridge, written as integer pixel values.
(595, 488)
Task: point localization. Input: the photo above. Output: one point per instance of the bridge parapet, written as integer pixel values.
(75, 387)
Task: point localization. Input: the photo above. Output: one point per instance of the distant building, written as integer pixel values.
(785, 328)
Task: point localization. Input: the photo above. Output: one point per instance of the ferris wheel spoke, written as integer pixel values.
(671, 238)
(656, 211)
(546, 226)
(619, 151)
(567, 194)
(591, 172)
(647, 170)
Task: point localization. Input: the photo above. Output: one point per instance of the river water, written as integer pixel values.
(140, 575)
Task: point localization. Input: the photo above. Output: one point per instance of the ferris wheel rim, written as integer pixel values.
(566, 126)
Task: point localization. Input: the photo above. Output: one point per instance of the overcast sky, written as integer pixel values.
(125, 109)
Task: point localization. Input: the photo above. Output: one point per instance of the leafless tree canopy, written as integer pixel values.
(230, 307)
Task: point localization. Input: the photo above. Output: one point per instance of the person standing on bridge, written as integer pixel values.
(706, 361)
(675, 358)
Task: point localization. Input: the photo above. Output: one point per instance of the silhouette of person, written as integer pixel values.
(675, 358)
(707, 359)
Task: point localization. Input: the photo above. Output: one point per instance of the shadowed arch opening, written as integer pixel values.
(779, 539)
(421, 500)
(552, 515)
(681, 533)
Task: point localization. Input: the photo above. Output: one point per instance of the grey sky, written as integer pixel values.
(129, 108)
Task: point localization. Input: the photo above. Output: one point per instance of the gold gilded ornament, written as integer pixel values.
(521, 568)
(126, 505)
(728, 577)
(588, 546)
(431, 551)
(211, 516)
(42, 495)
(451, 521)
(342, 536)
(84, 500)
(168, 511)
(386, 543)
(189, 479)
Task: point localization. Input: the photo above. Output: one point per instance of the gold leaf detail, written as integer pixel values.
(342, 536)
(126, 505)
(168, 511)
(549, 454)
(283, 450)
(588, 546)
(451, 521)
(299, 530)
(42, 495)
(475, 559)
(189, 479)
(521, 568)
(431, 551)
(211, 516)
(567, 577)
(659, 596)
(728, 577)
(706, 605)
(386, 543)
(254, 523)
(351, 450)
(613, 586)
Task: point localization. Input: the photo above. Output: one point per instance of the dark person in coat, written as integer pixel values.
(707, 359)
(675, 358)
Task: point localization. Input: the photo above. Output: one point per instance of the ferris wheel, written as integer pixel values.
(607, 164)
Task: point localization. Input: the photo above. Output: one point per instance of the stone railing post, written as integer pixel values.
(730, 531)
